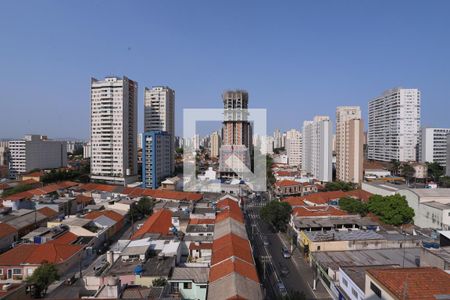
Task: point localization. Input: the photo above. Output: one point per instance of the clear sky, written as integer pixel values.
(295, 58)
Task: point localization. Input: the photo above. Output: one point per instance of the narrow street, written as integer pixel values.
(299, 277)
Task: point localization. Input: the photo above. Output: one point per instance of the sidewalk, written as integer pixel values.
(304, 268)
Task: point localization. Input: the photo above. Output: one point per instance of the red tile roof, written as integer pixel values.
(81, 199)
(6, 230)
(231, 245)
(48, 212)
(201, 221)
(37, 254)
(160, 222)
(66, 238)
(233, 265)
(107, 213)
(414, 283)
(318, 211)
(236, 215)
(42, 190)
(325, 197)
(284, 183)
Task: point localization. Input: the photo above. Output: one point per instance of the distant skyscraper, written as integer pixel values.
(236, 132)
(215, 144)
(283, 140)
(267, 143)
(35, 152)
(394, 122)
(317, 139)
(294, 147)
(277, 139)
(196, 142)
(159, 112)
(114, 129)
(156, 158)
(139, 141)
(349, 144)
(433, 145)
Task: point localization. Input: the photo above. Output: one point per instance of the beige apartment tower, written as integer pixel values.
(349, 144)
(215, 144)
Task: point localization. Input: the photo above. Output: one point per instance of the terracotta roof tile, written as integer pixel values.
(233, 265)
(416, 283)
(231, 246)
(81, 199)
(160, 222)
(284, 183)
(48, 212)
(201, 221)
(36, 254)
(6, 230)
(107, 213)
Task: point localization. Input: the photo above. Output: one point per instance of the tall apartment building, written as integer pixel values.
(266, 144)
(114, 130)
(394, 122)
(215, 144)
(87, 150)
(447, 173)
(156, 158)
(4, 153)
(159, 113)
(277, 137)
(236, 133)
(433, 145)
(349, 144)
(294, 147)
(317, 140)
(35, 152)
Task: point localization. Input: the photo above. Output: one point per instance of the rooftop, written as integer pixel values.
(154, 266)
(417, 283)
(160, 222)
(334, 259)
(197, 275)
(357, 235)
(358, 273)
(318, 211)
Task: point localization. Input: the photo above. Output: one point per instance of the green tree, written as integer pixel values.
(17, 189)
(393, 210)
(395, 167)
(41, 279)
(435, 171)
(339, 186)
(277, 214)
(159, 281)
(353, 206)
(408, 172)
(270, 177)
(142, 208)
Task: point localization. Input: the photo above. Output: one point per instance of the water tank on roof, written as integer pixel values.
(138, 270)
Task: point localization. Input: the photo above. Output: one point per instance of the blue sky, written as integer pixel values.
(295, 58)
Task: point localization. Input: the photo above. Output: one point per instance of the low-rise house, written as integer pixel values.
(8, 235)
(25, 220)
(64, 206)
(436, 257)
(118, 220)
(19, 263)
(200, 229)
(407, 283)
(330, 263)
(189, 283)
(291, 187)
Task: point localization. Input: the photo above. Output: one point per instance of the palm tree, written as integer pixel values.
(395, 166)
(408, 172)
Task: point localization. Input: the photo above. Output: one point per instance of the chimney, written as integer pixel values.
(110, 257)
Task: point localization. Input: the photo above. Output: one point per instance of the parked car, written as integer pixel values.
(284, 270)
(282, 289)
(286, 253)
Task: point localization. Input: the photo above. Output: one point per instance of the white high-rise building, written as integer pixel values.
(114, 129)
(215, 144)
(267, 143)
(433, 145)
(159, 113)
(394, 122)
(317, 140)
(294, 147)
(277, 137)
(156, 158)
(87, 150)
(35, 152)
(349, 144)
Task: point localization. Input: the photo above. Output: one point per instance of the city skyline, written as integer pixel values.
(311, 57)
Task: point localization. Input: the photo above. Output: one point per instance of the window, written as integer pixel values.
(202, 286)
(1, 272)
(318, 248)
(344, 281)
(354, 293)
(187, 285)
(375, 289)
(17, 271)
